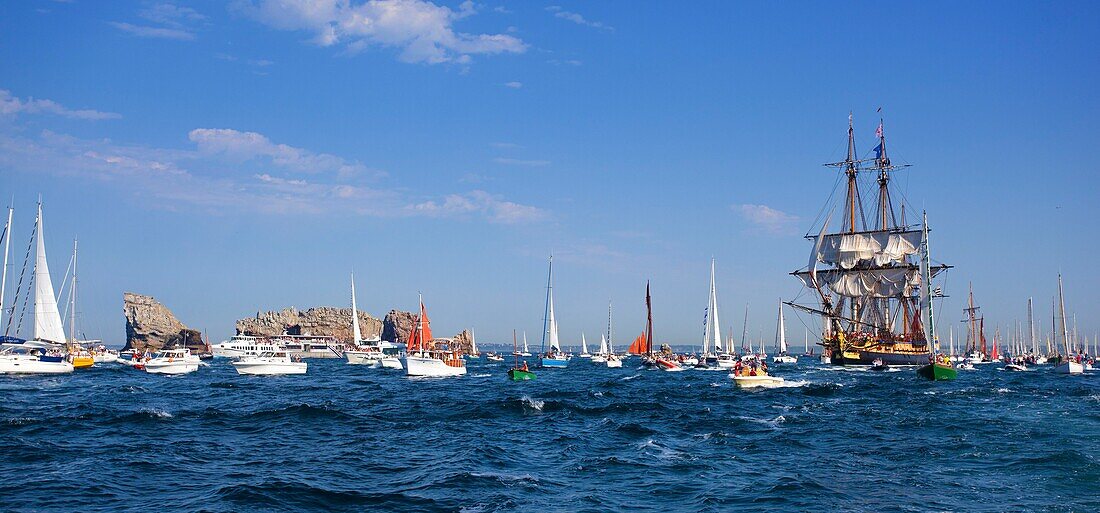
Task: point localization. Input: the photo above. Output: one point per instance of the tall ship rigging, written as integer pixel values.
(866, 276)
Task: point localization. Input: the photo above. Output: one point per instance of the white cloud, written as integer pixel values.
(245, 146)
(577, 18)
(513, 84)
(167, 13)
(505, 145)
(479, 202)
(521, 162)
(154, 32)
(421, 30)
(11, 105)
(767, 218)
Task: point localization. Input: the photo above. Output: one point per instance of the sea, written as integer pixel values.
(581, 439)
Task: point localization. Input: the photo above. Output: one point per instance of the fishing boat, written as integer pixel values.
(939, 367)
(553, 358)
(45, 352)
(584, 348)
(781, 341)
(426, 357)
(270, 364)
(867, 288)
(1070, 364)
(368, 354)
(518, 372)
(172, 361)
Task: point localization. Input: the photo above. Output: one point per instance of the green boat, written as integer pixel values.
(938, 372)
(520, 375)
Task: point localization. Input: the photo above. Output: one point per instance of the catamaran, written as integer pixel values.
(44, 353)
(870, 281)
(425, 358)
(554, 358)
(781, 341)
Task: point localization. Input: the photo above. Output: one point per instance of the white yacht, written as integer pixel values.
(33, 357)
(270, 363)
(243, 345)
(172, 361)
(726, 361)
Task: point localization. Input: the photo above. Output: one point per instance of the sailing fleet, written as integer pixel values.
(869, 285)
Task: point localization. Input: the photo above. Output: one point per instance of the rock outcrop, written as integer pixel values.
(151, 326)
(321, 321)
(397, 326)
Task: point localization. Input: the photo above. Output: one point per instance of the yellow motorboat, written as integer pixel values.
(82, 361)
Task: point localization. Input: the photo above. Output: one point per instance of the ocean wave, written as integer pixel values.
(534, 404)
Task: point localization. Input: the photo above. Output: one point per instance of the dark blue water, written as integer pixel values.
(587, 438)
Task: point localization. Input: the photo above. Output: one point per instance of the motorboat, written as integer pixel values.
(749, 378)
(669, 364)
(270, 363)
(1015, 366)
(785, 358)
(172, 361)
(878, 365)
(243, 345)
(614, 362)
(493, 357)
(726, 361)
(1069, 367)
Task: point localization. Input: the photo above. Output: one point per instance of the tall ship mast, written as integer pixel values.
(866, 276)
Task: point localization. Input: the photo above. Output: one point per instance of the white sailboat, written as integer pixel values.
(43, 354)
(781, 339)
(474, 353)
(1068, 364)
(554, 357)
(613, 361)
(712, 332)
(362, 354)
(584, 348)
(601, 355)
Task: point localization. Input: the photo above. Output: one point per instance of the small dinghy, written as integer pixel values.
(879, 366)
(1015, 367)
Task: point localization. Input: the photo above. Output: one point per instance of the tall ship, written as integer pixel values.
(865, 277)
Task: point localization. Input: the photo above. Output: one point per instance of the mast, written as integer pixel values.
(420, 322)
(4, 273)
(744, 328)
(546, 313)
(515, 347)
(72, 301)
(713, 333)
(356, 334)
(926, 290)
(648, 320)
(610, 348)
(1031, 327)
(1062, 308)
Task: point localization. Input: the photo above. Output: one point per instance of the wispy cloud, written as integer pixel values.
(767, 218)
(505, 145)
(566, 62)
(577, 18)
(169, 21)
(228, 170)
(11, 105)
(421, 30)
(521, 162)
(513, 84)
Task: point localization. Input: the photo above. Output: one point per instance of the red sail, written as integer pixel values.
(420, 335)
(918, 327)
(639, 346)
(993, 356)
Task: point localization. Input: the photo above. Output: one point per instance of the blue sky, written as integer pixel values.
(229, 158)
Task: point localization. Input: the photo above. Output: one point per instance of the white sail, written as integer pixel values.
(781, 332)
(355, 333)
(880, 248)
(525, 349)
(4, 279)
(928, 319)
(473, 343)
(603, 345)
(888, 282)
(712, 333)
(552, 323)
(584, 345)
(47, 319)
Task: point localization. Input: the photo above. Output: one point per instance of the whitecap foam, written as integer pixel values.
(160, 414)
(533, 403)
(628, 378)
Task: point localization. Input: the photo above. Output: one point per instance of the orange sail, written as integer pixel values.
(639, 346)
(421, 336)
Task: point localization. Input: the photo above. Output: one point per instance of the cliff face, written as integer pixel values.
(397, 326)
(322, 321)
(150, 325)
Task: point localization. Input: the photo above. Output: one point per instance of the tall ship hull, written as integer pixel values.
(890, 354)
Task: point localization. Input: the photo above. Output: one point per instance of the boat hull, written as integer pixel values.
(269, 368)
(554, 363)
(177, 367)
(1069, 367)
(83, 362)
(392, 362)
(756, 381)
(868, 357)
(370, 359)
(669, 365)
(431, 367)
(19, 364)
(614, 364)
(937, 372)
(520, 375)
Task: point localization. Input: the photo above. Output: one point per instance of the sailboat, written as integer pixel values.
(424, 357)
(939, 367)
(361, 354)
(664, 359)
(712, 332)
(526, 350)
(554, 358)
(781, 340)
(584, 348)
(613, 360)
(519, 373)
(1069, 364)
(867, 290)
(601, 355)
(79, 355)
(43, 354)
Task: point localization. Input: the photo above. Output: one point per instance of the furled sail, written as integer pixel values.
(880, 248)
(884, 282)
(47, 319)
